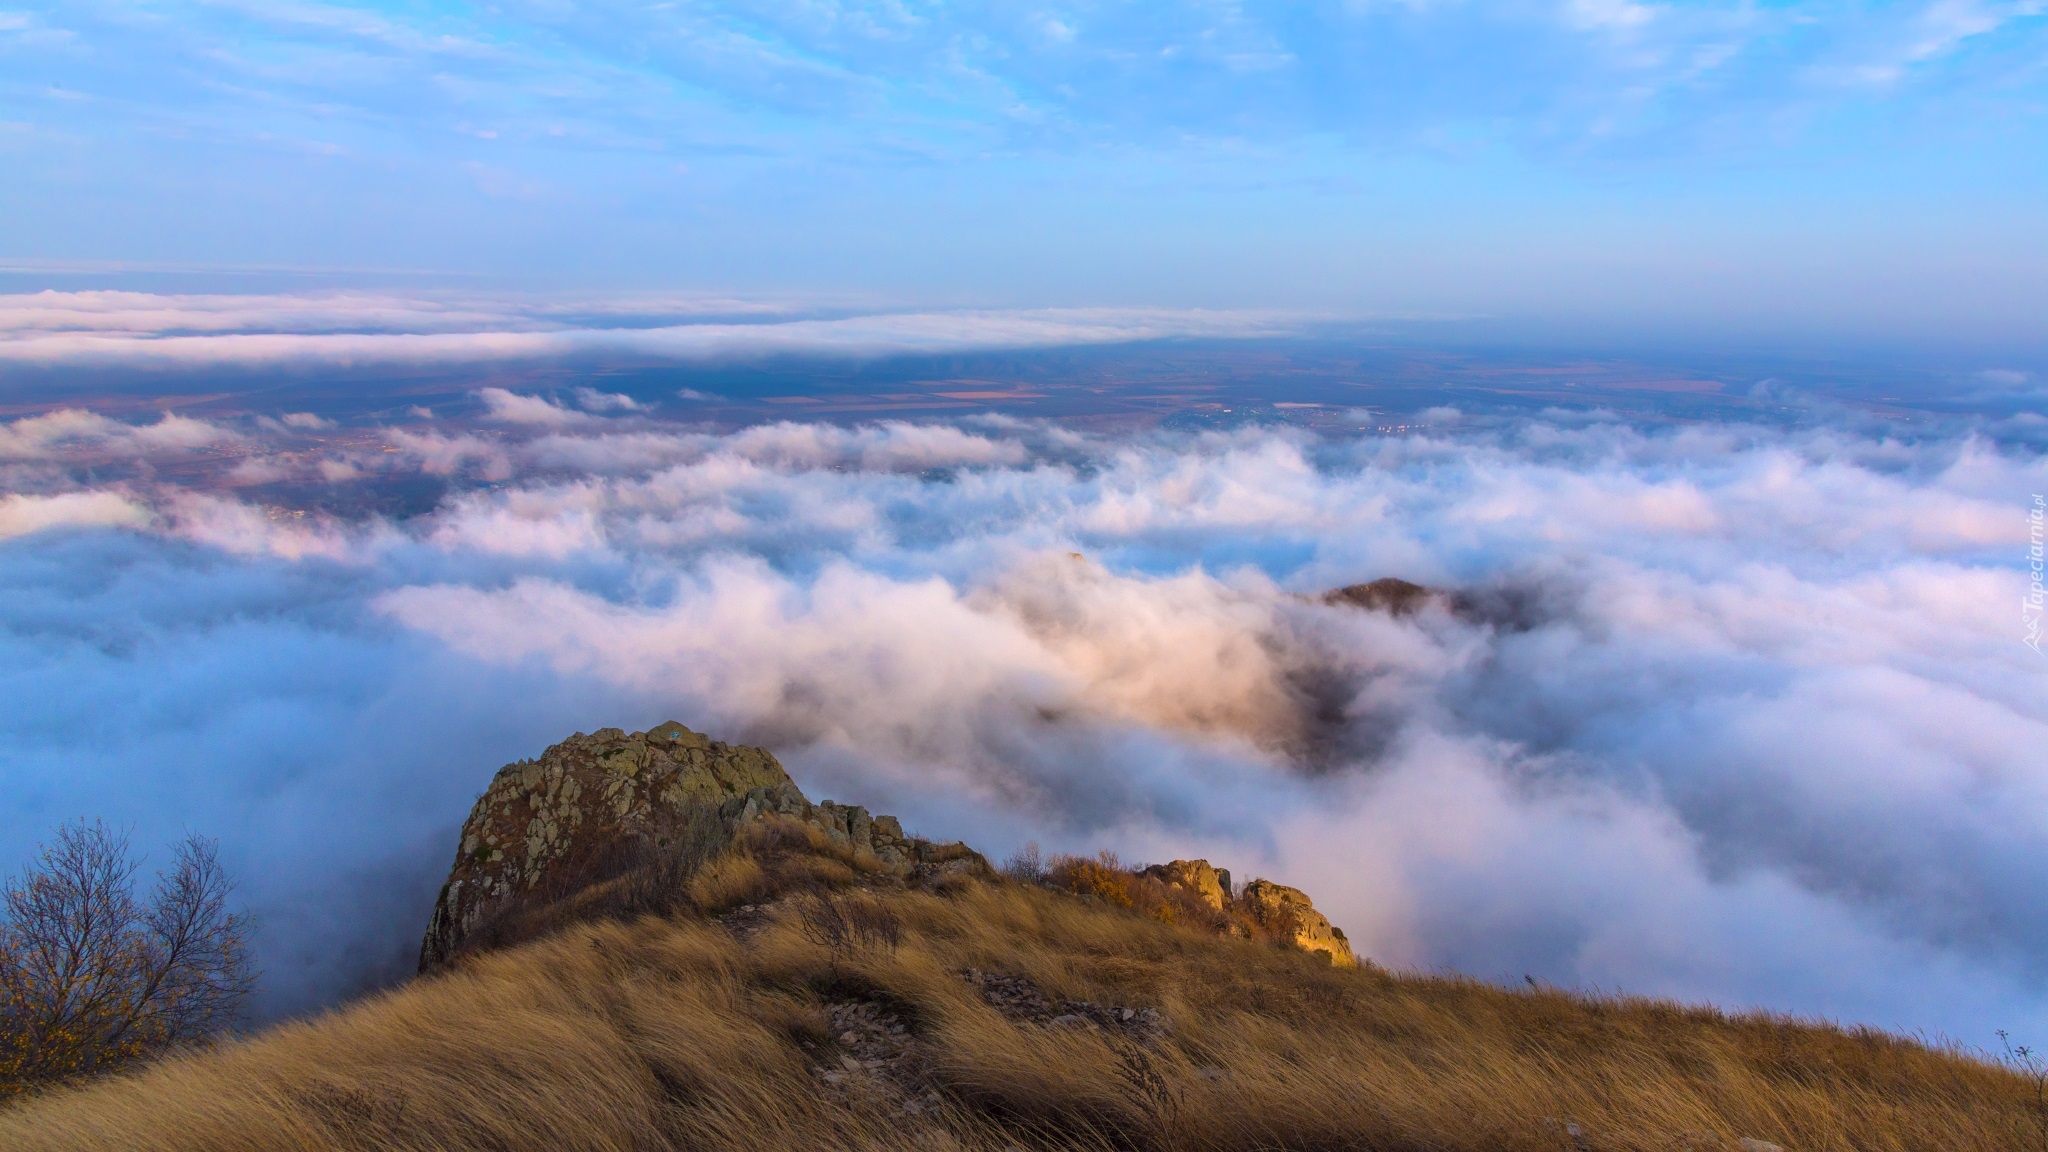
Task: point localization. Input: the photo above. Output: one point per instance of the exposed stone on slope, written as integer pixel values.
(1208, 884)
(589, 793)
(872, 1056)
(1020, 999)
(1288, 910)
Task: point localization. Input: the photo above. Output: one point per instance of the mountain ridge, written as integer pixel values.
(738, 972)
(589, 808)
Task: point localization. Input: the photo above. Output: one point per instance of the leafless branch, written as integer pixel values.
(91, 979)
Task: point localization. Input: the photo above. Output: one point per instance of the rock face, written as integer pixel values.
(1289, 910)
(1208, 884)
(589, 792)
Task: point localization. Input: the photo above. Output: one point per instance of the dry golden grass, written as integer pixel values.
(679, 1033)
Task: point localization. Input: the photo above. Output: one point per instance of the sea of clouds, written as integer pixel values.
(1727, 713)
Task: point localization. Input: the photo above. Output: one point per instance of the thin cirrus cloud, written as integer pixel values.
(613, 75)
(1729, 713)
(1637, 166)
(58, 329)
(132, 313)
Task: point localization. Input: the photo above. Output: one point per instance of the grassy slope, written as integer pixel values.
(676, 1033)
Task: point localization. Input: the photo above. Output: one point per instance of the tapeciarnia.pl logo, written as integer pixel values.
(2030, 608)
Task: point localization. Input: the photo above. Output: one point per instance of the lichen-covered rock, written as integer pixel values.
(1289, 911)
(591, 791)
(1204, 882)
(582, 793)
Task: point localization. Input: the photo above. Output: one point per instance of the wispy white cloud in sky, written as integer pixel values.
(52, 328)
(152, 314)
(610, 74)
(1820, 163)
(1886, 55)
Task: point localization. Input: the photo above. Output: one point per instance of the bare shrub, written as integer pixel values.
(91, 978)
(1026, 865)
(843, 925)
(672, 848)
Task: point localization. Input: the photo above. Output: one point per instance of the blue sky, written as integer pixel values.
(1844, 168)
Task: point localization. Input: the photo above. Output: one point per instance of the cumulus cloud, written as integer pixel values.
(512, 408)
(440, 454)
(1715, 712)
(70, 432)
(591, 400)
(247, 530)
(100, 328)
(21, 515)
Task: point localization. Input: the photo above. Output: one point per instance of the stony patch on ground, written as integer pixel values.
(1021, 1000)
(872, 1054)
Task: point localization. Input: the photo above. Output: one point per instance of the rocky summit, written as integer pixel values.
(541, 819)
(545, 828)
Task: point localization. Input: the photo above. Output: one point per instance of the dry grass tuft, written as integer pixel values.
(679, 1031)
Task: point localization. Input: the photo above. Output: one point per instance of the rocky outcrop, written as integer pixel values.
(1288, 911)
(1285, 913)
(551, 821)
(1198, 878)
(540, 819)
(879, 838)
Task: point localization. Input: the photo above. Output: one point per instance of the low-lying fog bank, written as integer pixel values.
(1732, 713)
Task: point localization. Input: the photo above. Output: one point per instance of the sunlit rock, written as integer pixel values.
(1288, 911)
